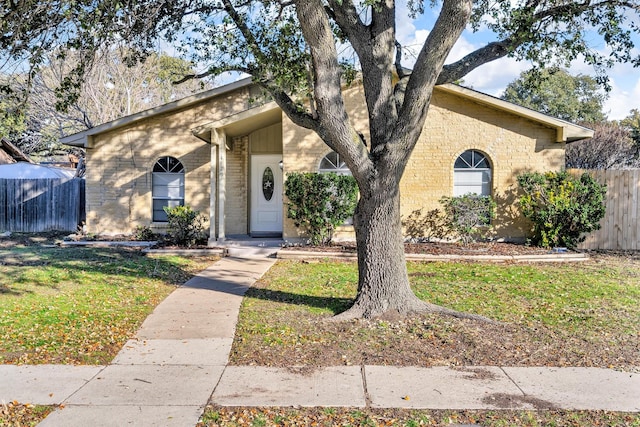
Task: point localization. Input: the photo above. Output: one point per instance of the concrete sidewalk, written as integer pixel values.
(178, 363)
(166, 375)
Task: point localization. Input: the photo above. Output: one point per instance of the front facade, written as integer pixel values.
(227, 156)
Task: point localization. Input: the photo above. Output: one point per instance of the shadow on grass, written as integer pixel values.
(334, 304)
(48, 267)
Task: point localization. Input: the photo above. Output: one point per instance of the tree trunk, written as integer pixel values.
(383, 284)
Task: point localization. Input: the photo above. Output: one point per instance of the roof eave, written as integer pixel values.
(84, 138)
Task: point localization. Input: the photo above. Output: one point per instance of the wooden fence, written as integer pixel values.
(620, 227)
(35, 205)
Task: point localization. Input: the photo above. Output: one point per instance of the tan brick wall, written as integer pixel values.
(513, 145)
(120, 163)
(454, 125)
(236, 189)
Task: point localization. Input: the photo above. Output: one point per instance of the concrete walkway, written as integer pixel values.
(178, 362)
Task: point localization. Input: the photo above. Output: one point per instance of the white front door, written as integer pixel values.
(266, 195)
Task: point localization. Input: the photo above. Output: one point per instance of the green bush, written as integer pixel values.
(185, 226)
(562, 207)
(144, 233)
(320, 202)
(469, 216)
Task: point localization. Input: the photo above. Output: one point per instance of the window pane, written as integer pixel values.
(159, 215)
(465, 160)
(332, 163)
(167, 186)
(481, 163)
(468, 181)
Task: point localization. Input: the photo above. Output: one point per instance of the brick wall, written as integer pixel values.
(120, 163)
(513, 145)
(236, 192)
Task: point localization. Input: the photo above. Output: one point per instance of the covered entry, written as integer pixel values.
(246, 174)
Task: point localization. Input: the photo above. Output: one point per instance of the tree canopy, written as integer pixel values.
(291, 48)
(111, 90)
(557, 93)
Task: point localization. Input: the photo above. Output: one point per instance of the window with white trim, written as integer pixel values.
(167, 186)
(472, 174)
(333, 163)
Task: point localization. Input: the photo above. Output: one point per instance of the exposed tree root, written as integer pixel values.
(416, 307)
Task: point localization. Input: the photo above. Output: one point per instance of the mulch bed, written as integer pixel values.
(438, 248)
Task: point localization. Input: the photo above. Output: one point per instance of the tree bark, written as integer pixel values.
(383, 283)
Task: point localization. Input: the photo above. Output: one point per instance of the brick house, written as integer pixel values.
(219, 150)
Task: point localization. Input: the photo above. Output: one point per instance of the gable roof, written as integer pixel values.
(566, 131)
(83, 139)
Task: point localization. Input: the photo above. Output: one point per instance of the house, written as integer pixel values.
(218, 150)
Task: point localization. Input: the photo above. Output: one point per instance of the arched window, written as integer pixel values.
(333, 163)
(168, 186)
(472, 174)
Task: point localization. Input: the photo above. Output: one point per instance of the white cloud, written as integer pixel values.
(622, 99)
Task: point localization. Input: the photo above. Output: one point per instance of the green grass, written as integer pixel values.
(585, 298)
(79, 305)
(591, 297)
(571, 314)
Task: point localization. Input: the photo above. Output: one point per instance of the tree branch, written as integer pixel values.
(455, 71)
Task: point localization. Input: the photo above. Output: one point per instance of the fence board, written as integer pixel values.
(35, 205)
(620, 227)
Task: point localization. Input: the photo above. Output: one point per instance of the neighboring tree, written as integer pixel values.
(632, 124)
(559, 94)
(290, 48)
(111, 90)
(610, 148)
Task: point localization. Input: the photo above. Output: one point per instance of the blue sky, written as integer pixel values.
(493, 77)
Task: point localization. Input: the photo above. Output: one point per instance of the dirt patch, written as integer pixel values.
(432, 340)
(512, 401)
(477, 374)
(31, 239)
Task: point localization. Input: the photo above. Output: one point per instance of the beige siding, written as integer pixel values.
(267, 140)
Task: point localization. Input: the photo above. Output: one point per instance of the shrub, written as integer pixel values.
(143, 233)
(320, 202)
(469, 216)
(425, 227)
(562, 207)
(185, 226)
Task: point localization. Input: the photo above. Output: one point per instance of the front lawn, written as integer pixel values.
(573, 314)
(80, 305)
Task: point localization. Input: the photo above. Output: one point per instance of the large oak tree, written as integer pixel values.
(291, 48)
